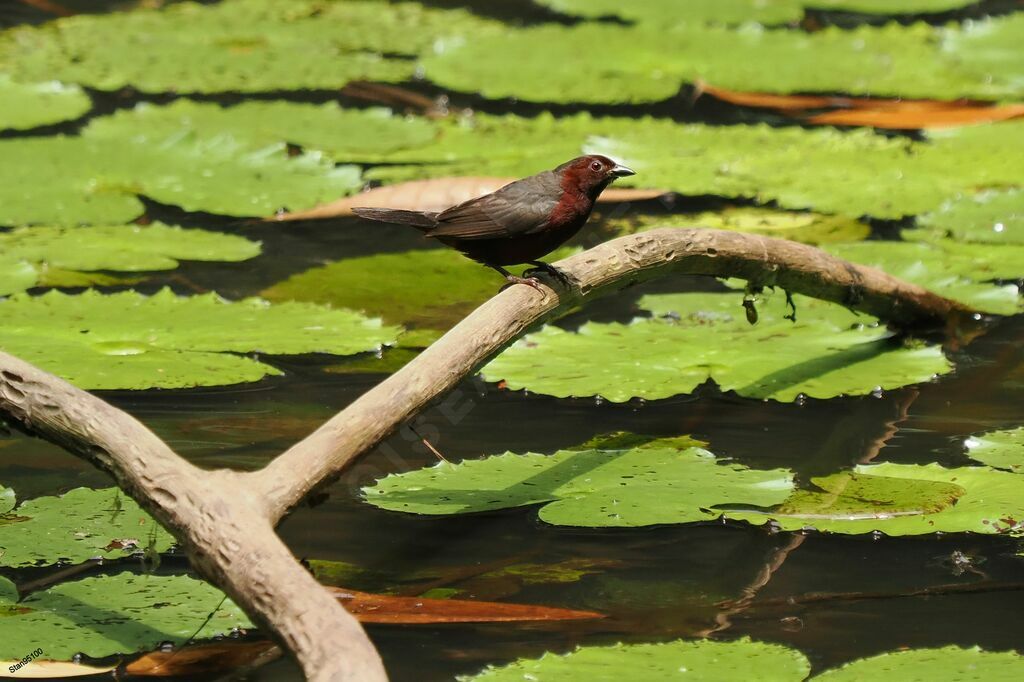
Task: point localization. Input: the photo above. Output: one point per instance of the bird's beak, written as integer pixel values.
(621, 171)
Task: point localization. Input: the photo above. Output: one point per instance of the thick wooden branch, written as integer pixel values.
(604, 269)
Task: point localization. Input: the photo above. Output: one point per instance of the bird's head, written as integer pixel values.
(590, 174)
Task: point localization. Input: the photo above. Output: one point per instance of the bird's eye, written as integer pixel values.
(596, 166)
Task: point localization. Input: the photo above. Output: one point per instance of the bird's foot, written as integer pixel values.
(541, 266)
(528, 281)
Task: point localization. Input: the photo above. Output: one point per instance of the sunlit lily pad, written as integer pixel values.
(828, 351)
(948, 664)
(699, 661)
(992, 217)
(128, 248)
(988, 51)
(28, 105)
(128, 340)
(958, 271)
(932, 499)
(999, 449)
(78, 525)
(890, 6)
(7, 499)
(699, 12)
(606, 483)
(95, 179)
(235, 45)
(112, 614)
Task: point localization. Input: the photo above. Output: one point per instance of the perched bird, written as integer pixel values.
(519, 223)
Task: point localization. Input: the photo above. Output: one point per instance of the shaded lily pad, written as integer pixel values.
(949, 268)
(76, 526)
(7, 499)
(610, 483)
(127, 340)
(95, 179)
(699, 660)
(948, 664)
(129, 248)
(28, 105)
(345, 134)
(111, 614)
(999, 449)
(828, 351)
(235, 45)
(890, 6)
(931, 499)
(992, 217)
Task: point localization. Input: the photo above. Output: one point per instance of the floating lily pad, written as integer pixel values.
(933, 499)
(999, 449)
(669, 12)
(610, 483)
(95, 179)
(116, 614)
(346, 134)
(949, 268)
(992, 217)
(428, 288)
(948, 664)
(890, 6)
(236, 45)
(988, 51)
(16, 275)
(699, 661)
(28, 105)
(829, 351)
(129, 248)
(76, 526)
(7, 499)
(127, 340)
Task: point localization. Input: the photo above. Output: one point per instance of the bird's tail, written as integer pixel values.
(423, 220)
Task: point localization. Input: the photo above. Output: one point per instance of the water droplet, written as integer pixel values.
(998, 227)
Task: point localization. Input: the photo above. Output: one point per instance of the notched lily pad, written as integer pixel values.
(76, 526)
(127, 340)
(828, 351)
(609, 484)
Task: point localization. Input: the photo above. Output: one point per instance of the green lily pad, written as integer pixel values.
(610, 483)
(890, 6)
(362, 135)
(988, 51)
(999, 449)
(698, 661)
(129, 248)
(669, 12)
(236, 45)
(947, 664)
(991, 217)
(28, 105)
(16, 275)
(829, 351)
(77, 526)
(955, 270)
(933, 499)
(127, 340)
(95, 178)
(429, 288)
(116, 614)
(7, 499)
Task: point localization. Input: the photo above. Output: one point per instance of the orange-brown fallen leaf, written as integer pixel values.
(770, 101)
(916, 118)
(437, 194)
(204, 658)
(49, 6)
(381, 608)
(38, 669)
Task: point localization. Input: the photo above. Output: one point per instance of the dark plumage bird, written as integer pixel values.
(519, 223)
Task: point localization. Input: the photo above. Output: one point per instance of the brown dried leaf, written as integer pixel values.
(913, 116)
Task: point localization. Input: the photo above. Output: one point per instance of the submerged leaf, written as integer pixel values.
(828, 351)
(128, 340)
(609, 484)
(203, 659)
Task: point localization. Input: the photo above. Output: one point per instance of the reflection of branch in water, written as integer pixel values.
(48, 6)
(733, 607)
(933, 591)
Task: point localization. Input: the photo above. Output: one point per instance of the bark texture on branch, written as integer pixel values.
(225, 520)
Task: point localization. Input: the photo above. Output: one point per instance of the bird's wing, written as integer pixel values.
(522, 207)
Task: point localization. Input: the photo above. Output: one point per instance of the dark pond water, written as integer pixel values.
(654, 584)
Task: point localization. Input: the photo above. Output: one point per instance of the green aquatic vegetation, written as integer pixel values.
(828, 351)
(48, 255)
(698, 660)
(988, 217)
(698, 12)
(95, 179)
(116, 614)
(958, 271)
(236, 45)
(988, 51)
(353, 135)
(949, 664)
(127, 340)
(890, 6)
(998, 449)
(76, 526)
(604, 483)
(903, 499)
(29, 105)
